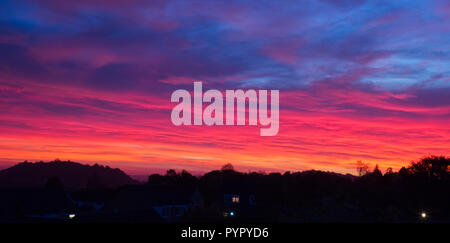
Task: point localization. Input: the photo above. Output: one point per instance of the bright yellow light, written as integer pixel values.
(71, 216)
(423, 215)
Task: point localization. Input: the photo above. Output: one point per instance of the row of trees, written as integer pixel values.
(437, 167)
(326, 196)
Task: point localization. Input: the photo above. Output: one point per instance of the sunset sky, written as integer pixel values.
(91, 81)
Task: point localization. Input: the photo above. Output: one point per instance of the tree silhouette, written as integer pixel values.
(155, 179)
(431, 166)
(376, 171)
(227, 167)
(389, 171)
(171, 173)
(362, 168)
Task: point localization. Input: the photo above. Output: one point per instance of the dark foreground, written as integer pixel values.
(417, 194)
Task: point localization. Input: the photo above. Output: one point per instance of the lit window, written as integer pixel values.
(235, 199)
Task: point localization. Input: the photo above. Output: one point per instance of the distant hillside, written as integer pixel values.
(71, 174)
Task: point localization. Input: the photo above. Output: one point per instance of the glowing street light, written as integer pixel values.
(71, 216)
(423, 215)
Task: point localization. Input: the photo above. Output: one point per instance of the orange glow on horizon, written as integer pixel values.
(139, 137)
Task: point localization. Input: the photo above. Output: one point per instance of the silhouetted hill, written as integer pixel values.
(69, 174)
